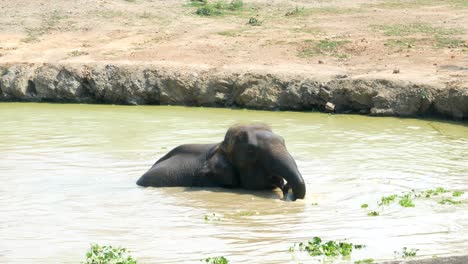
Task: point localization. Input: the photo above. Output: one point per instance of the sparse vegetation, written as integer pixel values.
(206, 8)
(438, 37)
(415, 28)
(448, 42)
(108, 255)
(77, 53)
(364, 205)
(48, 23)
(322, 47)
(296, 11)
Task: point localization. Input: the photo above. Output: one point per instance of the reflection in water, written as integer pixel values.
(68, 179)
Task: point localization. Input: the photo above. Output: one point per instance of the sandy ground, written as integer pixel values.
(420, 40)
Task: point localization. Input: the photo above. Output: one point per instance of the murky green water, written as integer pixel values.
(68, 177)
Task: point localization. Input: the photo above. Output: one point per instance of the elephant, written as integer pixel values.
(251, 156)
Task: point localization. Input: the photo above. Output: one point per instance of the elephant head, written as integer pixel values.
(261, 159)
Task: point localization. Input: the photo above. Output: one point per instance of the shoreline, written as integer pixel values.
(230, 87)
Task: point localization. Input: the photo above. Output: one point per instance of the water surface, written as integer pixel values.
(68, 177)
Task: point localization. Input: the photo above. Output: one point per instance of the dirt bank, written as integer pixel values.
(269, 89)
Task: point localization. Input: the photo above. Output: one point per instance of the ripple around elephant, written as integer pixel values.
(249, 157)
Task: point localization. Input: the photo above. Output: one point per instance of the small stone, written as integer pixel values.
(330, 107)
(395, 71)
(321, 62)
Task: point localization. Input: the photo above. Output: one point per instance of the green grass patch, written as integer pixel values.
(415, 28)
(219, 8)
(404, 43)
(216, 260)
(364, 205)
(108, 255)
(457, 193)
(448, 42)
(315, 247)
(423, 34)
(322, 47)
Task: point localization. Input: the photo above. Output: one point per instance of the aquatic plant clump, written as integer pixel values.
(216, 260)
(407, 199)
(315, 247)
(108, 255)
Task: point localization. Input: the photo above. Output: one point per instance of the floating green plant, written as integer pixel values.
(108, 255)
(315, 247)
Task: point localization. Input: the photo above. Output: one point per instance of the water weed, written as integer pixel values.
(216, 260)
(406, 252)
(373, 213)
(315, 247)
(407, 199)
(212, 217)
(108, 255)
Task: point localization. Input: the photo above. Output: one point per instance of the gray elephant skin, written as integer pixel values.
(250, 157)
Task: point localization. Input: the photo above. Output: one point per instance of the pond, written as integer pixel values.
(68, 177)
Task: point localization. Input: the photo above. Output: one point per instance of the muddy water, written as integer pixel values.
(68, 177)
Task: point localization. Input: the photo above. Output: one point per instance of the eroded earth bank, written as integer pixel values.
(230, 87)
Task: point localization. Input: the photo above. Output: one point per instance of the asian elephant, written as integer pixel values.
(250, 156)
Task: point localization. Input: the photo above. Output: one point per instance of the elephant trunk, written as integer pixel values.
(283, 165)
